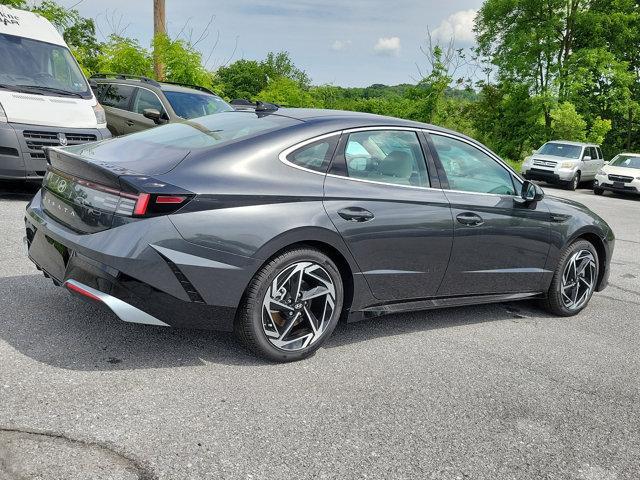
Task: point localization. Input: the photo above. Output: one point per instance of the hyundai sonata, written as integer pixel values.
(277, 223)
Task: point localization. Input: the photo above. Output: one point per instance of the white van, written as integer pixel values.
(45, 98)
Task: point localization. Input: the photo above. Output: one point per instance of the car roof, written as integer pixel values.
(578, 144)
(350, 119)
(630, 154)
(151, 84)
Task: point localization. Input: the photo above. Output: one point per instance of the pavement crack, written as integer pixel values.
(10, 436)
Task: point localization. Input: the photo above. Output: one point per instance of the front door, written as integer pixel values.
(379, 197)
(500, 245)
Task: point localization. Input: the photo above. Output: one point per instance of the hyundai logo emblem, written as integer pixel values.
(62, 138)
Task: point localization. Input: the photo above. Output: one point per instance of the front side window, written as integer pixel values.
(146, 99)
(117, 96)
(469, 169)
(315, 156)
(386, 156)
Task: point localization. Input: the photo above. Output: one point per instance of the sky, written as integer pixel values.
(347, 43)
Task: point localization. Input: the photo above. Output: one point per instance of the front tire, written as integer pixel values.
(574, 280)
(598, 191)
(291, 306)
(574, 182)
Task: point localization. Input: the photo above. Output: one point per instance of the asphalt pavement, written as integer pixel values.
(492, 392)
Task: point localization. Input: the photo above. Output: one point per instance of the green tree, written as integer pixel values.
(567, 123)
(241, 79)
(286, 92)
(183, 63)
(279, 64)
(125, 55)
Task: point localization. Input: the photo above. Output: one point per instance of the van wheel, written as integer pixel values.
(574, 182)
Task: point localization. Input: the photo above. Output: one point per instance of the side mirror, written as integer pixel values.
(586, 157)
(153, 114)
(531, 192)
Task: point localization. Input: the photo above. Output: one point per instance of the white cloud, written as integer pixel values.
(458, 26)
(387, 46)
(339, 45)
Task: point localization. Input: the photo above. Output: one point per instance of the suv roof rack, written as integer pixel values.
(123, 76)
(188, 85)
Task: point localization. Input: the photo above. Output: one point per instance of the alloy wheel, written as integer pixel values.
(298, 306)
(578, 280)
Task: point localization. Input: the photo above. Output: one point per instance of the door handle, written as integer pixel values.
(356, 214)
(470, 219)
(129, 123)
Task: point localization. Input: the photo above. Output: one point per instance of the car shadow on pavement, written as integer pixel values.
(50, 326)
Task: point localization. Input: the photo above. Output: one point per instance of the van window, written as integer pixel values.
(117, 96)
(29, 65)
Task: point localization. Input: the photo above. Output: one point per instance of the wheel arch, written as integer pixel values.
(598, 243)
(329, 243)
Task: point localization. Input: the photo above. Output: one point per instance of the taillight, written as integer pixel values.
(141, 204)
(149, 204)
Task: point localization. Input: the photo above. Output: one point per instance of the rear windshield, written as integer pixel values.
(194, 105)
(160, 149)
(561, 150)
(211, 131)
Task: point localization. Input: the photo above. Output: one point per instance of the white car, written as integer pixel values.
(565, 163)
(622, 174)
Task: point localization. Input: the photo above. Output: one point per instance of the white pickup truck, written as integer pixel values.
(45, 99)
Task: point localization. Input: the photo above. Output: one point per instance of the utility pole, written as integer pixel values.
(159, 28)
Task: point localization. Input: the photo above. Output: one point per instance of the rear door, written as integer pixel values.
(389, 209)
(499, 245)
(596, 162)
(116, 100)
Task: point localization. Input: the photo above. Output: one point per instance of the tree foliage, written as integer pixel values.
(552, 69)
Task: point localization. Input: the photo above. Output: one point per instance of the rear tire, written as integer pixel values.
(304, 293)
(574, 280)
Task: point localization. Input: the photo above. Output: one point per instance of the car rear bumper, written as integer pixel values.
(132, 274)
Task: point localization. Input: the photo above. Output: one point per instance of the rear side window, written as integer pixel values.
(117, 96)
(315, 156)
(599, 153)
(386, 156)
(146, 99)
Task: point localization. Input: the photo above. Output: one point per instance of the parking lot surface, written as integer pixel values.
(493, 392)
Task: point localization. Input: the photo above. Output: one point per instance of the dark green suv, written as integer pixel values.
(135, 103)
